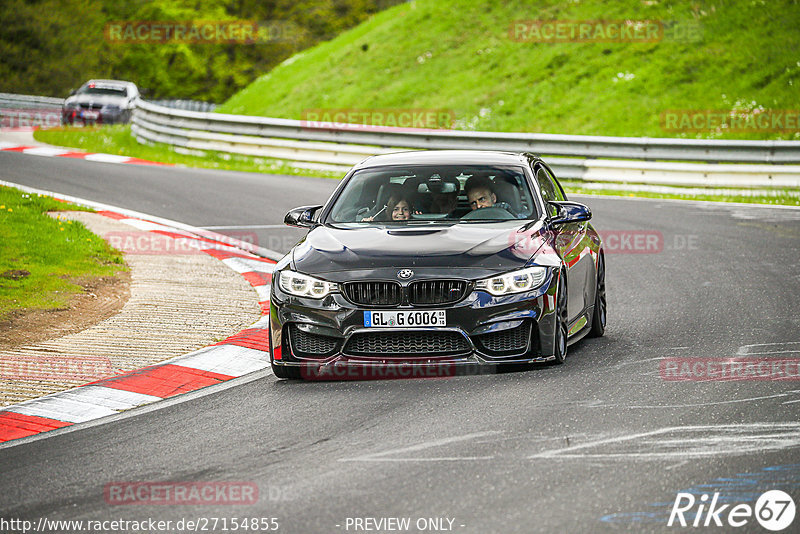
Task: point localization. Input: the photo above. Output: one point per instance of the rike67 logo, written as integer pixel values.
(774, 510)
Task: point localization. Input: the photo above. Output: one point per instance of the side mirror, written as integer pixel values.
(302, 217)
(570, 212)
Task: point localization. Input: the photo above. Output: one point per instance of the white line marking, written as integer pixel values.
(623, 364)
(246, 227)
(62, 409)
(679, 464)
(115, 399)
(147, 226)
(246, 265)
(550, 454)
(714, 441)
(745, 349)
(714, 403)
(795, 351)
(434, 459)
(379, 456)
(107, 158)
(263, 293)
(231, 360)
(45, 151)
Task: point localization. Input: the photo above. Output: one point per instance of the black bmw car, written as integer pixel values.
(435, 260)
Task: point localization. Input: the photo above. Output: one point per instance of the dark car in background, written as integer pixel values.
(437, 258)
(100, 102)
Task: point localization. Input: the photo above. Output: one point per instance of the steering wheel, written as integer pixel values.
(492, 212)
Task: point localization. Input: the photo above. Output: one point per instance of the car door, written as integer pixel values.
(570, 241)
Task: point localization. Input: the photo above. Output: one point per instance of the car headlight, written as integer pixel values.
(513, 282)
(303, 285)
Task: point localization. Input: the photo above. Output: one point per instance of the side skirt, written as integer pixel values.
(581, 326)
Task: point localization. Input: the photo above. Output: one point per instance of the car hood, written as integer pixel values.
(482, 248)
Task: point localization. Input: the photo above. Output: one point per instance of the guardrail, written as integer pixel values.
(27, 112)
(189, 105)
(8, 100)
(327, 145)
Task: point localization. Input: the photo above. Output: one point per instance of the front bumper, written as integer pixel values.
(85, 116)
(481, 330)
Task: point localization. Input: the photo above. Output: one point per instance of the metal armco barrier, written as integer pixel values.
(190, 105)
(23, 111)
(8, 100)
(326, 145)
(336, 147)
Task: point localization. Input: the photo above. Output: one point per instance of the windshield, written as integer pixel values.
(397, 195)
(102, 90)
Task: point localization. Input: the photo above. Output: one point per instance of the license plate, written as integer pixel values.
(90, 114)
(405, 319)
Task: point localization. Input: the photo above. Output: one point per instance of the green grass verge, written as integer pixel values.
(118, 140)
(54, 253)
(449, 54)
(779, 198)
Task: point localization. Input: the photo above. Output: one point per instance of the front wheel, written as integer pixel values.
(560, 333)
(599, 315)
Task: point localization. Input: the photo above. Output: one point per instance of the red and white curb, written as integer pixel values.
(53, 152)
(238, 355)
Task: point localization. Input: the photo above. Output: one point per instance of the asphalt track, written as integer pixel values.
(601, 443)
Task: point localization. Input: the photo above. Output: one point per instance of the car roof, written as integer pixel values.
(444, 157)
(120, 83)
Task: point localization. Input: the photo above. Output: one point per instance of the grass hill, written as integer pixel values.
(48, 47)
(461, 56)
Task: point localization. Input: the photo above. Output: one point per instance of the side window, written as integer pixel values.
(557, 187)
(550, 190)
(546, 185)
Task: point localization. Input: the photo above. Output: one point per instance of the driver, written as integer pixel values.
(480, 194)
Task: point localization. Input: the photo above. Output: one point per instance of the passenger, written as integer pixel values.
(441, 202)
(397, 208)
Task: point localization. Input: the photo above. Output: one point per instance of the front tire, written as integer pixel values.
(600, 308)
(560, 330)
